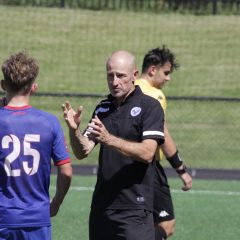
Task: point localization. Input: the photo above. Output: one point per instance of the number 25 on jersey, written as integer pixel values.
(16, 150)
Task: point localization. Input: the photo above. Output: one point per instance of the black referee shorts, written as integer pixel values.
(162, 206)
(121, 225)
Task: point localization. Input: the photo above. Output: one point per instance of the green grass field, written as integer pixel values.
(206, 133)
(72, 46)
(209, 211)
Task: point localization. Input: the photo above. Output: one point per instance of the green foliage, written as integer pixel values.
(45, 3)
(157, 6)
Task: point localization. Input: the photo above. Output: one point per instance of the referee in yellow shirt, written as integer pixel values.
(157, 66)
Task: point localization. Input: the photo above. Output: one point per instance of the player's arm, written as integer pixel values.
(168, 147)
(141, 151)
(64, 176)
(171, 153)
(81, 145)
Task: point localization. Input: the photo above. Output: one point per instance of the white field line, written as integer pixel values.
(210, 192)
(214, 192)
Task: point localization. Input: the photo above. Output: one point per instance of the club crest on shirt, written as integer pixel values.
(135, 111)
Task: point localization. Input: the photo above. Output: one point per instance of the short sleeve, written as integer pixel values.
(60, 151)
(153, 122)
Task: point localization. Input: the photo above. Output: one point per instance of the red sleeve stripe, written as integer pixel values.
(68, 160)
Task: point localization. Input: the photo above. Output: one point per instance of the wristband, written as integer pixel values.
(175, 160)
(182, 171)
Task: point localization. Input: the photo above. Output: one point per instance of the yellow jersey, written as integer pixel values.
(157, 94)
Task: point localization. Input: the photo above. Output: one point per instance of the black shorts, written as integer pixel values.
(121, 225)
(162, 205)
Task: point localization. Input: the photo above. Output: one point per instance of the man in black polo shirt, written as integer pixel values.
(128, 125)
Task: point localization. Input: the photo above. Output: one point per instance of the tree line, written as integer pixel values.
(182, 6)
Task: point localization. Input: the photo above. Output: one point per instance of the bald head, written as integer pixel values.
(121, 74)
(122, 58)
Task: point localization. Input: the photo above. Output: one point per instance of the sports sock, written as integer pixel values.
(160, 233)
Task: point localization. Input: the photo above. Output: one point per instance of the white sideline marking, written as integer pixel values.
(82, 188)
(78, 188)
(214, 192)
(226, 193)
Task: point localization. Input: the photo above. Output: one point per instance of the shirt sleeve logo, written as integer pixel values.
(135, 111)
(160, 97)
(102, 110)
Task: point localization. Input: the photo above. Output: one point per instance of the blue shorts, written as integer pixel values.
(26, 233)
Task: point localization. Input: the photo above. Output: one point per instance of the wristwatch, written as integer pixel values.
(183, 170)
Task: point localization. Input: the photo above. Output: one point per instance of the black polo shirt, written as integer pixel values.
(122, 182)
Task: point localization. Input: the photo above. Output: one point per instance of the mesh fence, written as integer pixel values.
(72, 46)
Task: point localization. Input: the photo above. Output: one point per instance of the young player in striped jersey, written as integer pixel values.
(29, 138)
(157, 66)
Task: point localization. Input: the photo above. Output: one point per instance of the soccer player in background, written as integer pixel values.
(157, 66)
(29, 138)
(128, 125)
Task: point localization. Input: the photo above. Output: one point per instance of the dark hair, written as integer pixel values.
(158, 57)
(19, 72)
